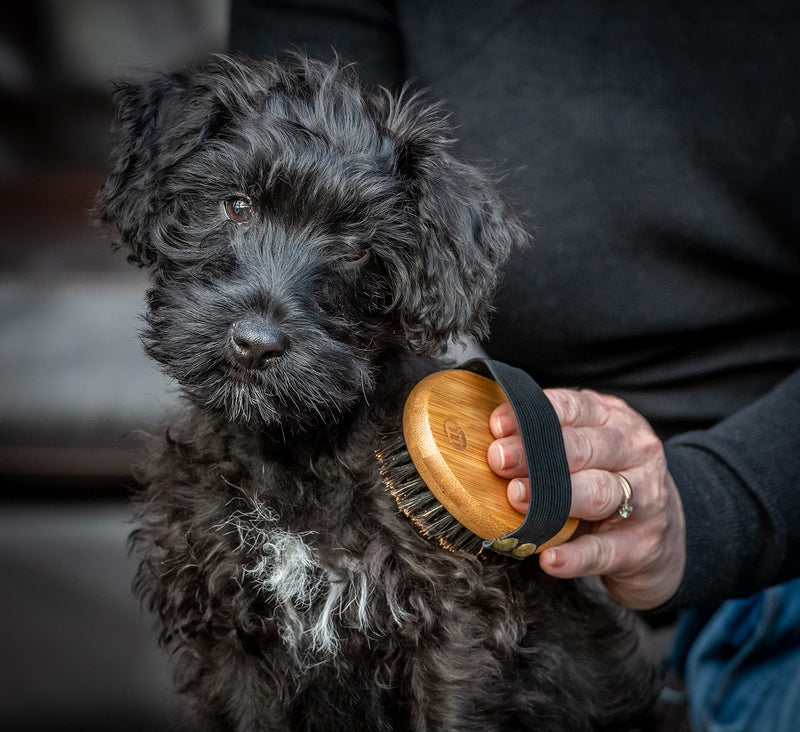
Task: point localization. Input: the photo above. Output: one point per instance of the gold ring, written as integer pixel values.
(625, 508)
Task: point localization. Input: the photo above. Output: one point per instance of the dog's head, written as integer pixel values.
(297, 226)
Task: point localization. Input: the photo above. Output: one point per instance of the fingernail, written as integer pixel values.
(511, 457)
(517, 490)
(554, 558)
(496, 427)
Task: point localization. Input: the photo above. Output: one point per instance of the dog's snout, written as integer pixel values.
(255, 341)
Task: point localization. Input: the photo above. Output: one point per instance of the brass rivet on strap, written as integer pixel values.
(524, 550)
(505, 545)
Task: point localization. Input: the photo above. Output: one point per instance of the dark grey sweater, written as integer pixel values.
(655, 149)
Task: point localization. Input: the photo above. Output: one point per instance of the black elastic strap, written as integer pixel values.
(551, 488)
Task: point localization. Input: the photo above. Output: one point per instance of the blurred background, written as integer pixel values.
(75, 650)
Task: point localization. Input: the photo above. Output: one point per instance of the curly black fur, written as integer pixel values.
(290, 591)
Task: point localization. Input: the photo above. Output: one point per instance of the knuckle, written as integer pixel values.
(580, 448)
(597, 406)
(603, 560)
(566, 404)
(604, 498)
(649, 445)
(592, 555)
(660, 497)
(610, 405)
(616, 404)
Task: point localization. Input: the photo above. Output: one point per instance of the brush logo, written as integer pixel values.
(455, 434)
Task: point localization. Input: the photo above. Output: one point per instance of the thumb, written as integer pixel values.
(590, 554)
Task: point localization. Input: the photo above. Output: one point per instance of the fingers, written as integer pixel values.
(506, 457)
(573, 409)
(582, 408)
(503, 421)
(641, 561)
(603, 553)
(602, 436)
(581, 557)
(599, 431)
(615, 447)
(594, 453)
(642, 557)
(588, 555)
(517, 493)
(596, 494)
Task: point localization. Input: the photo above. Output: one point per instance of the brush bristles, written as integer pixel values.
(416, 500)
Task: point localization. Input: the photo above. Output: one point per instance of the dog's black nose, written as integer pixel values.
(255, 341)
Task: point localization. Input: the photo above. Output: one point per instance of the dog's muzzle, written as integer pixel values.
(255, 341)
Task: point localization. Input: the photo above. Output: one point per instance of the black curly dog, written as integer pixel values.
(314, 247)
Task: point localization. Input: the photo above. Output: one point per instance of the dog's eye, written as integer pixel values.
(238, 210)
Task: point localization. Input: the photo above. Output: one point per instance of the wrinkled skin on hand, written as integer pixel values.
(641, 558)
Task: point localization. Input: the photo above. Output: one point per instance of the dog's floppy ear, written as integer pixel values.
(465, 232)
(157, 123)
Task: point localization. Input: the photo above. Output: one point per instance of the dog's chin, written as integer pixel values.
(274, 399)
(242, 402)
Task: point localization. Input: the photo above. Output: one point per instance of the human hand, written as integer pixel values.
(640, 558)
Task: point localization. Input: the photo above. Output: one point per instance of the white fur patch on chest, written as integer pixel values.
(312, 602)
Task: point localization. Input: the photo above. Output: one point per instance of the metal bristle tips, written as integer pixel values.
(417, 502)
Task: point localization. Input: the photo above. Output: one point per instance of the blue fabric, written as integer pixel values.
(741, 663)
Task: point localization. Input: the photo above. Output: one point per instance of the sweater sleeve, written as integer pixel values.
(740, 486)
